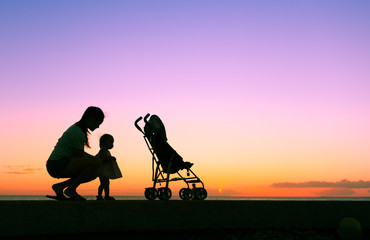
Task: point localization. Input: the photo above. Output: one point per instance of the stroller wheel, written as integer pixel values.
(151, 193)
(164, 193)
(185, 194)
(200, 194)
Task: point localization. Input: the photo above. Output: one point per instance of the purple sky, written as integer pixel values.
(239, 76)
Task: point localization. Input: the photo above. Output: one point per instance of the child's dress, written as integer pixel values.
(109, 169)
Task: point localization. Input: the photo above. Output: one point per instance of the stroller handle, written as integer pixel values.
(136, 125)
(146, 118)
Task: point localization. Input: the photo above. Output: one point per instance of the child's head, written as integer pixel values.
(106, 141)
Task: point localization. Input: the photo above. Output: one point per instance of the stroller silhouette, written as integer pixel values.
(165, 160)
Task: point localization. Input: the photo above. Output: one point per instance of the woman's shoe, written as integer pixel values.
(73, 195)
(99, 198)
(109, 198)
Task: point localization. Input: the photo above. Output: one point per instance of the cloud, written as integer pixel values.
(317, 184)
(336, 192)
(20, 169)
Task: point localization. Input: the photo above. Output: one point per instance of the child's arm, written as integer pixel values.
(110, 157)
(104, 154)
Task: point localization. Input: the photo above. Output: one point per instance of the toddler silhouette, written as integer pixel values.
(109, 168)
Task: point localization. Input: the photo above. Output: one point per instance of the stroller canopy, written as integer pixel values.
(155, 126)
(156, 133)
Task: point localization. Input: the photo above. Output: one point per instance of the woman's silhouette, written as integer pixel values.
(69, 160)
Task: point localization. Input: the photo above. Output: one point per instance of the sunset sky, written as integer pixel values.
(266, 98)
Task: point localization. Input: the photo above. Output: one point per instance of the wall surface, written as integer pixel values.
(52, 217)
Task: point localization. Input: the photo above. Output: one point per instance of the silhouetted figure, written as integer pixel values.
(69, 160)
(109, 168)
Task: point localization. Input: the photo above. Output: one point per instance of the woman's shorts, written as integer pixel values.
(56, 167)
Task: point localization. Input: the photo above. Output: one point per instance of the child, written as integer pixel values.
(109, 168)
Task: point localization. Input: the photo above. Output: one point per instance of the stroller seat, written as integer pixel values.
(168, 161)
(166, 155)
(168, 158)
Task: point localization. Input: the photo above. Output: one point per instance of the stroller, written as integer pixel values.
(165, 160)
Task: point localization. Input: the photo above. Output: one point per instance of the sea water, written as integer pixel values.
(220, 198)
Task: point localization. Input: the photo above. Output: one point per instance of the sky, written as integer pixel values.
(266, 98)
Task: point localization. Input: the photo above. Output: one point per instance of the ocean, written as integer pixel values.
(220, 198)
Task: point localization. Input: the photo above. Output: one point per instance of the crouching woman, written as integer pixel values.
(69, 160)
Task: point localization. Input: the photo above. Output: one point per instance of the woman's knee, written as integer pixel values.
(78, 165)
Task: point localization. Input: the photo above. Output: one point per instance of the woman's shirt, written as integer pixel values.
(71, 140)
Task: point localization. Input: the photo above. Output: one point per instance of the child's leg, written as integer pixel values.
(106, 187)
(101, 186)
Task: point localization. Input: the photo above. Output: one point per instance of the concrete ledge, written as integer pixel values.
(19, 218)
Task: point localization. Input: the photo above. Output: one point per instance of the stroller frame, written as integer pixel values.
(160, 176)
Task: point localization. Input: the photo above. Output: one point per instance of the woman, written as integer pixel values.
(69, 160)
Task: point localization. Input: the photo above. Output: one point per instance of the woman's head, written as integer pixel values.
(90, 120)
(92, 117)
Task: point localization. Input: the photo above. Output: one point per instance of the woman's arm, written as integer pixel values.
(80, 153)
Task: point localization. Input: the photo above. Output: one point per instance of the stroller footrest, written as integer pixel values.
(176, 179)
(193, 181)
(172, 179)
